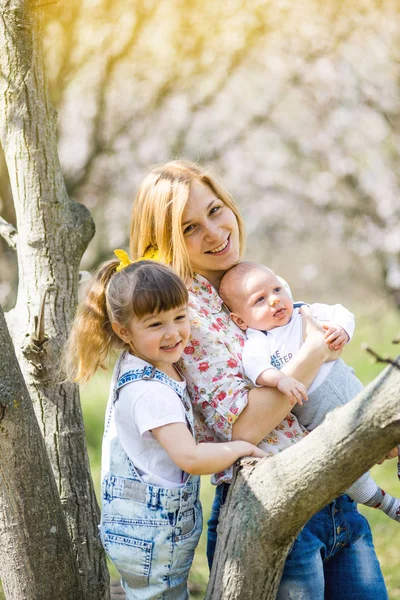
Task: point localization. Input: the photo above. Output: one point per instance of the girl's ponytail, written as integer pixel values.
(92, 338)
(137, 289)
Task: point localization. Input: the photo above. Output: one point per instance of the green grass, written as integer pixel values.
(377, 328)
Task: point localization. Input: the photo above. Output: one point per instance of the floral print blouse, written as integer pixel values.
(212, 366)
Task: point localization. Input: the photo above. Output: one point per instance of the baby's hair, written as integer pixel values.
(228, 288)
(142, 288)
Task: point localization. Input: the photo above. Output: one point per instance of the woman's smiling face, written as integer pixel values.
(211, 233)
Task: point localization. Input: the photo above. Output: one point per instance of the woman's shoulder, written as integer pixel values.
(203, 295)
(210, 321)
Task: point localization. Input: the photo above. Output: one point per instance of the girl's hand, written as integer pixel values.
(314, 335)
(336, 337)
(257, 452)
(201, 459)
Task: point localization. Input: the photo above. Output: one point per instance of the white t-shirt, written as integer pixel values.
(141, 406)
(277, 347)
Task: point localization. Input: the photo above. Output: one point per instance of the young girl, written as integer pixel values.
(151, 514)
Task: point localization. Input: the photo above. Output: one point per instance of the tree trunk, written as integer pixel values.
(37, 557)
(272, 499)
(53, 233)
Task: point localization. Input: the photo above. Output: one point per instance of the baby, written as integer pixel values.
(262, 307)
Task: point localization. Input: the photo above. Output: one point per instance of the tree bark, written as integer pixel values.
(37, 556)
(53, 233)
(272, 499)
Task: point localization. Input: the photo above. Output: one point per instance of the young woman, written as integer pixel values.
(184, 218)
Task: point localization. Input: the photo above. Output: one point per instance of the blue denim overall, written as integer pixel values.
(150, 533)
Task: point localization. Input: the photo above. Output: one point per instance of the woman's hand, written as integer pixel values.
(314, 336)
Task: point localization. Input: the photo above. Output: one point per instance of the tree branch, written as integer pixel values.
(9, 233)
(382, 359)
(255, 532)
(29, 518)
(98, 144)
(53, 233)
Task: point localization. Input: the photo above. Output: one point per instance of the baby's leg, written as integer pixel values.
(366, 491)
(340, 386)
(338, 389)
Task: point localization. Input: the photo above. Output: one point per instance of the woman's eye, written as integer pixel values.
(214, 210)
(188, 229)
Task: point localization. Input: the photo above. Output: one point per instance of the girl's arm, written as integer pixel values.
(201, 459)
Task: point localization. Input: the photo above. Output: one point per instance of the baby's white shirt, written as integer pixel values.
(141, 406)
(276, 348)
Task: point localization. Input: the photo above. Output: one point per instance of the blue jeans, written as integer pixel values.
(212, 523)
(333, 558)
(150, 534)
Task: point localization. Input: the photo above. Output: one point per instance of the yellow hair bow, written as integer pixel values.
(124, 260)
(151, 254)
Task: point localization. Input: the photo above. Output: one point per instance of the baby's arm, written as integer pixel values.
(257, 366)
(336, 337)
(201, 459)
(337, 321)
(293, 389)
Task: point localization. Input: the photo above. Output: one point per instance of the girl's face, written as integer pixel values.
(211, 233)
(158, 338)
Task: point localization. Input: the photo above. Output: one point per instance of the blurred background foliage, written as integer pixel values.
(295, 106)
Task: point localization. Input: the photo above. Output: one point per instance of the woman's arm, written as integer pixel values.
(219, 389)
(202, 459)
(267, 407)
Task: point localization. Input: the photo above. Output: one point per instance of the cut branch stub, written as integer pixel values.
(38, 337)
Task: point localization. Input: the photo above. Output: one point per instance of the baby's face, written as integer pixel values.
(264, 302)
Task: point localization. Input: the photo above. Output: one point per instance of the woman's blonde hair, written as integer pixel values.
(142, 288)
(157, 213)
